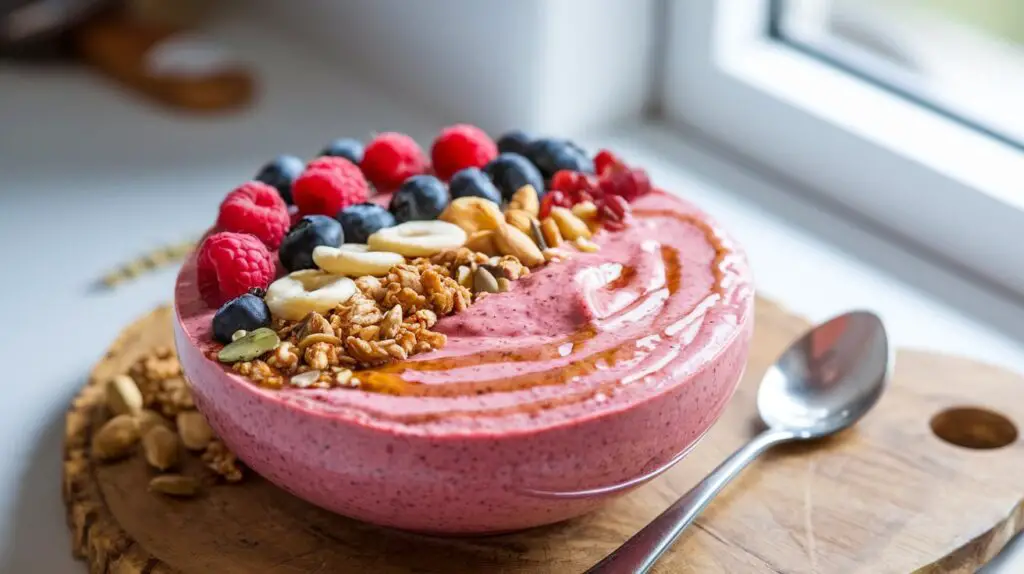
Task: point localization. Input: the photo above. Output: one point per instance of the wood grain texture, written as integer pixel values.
(888, 496)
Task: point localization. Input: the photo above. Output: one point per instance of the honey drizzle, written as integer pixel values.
(388, 380)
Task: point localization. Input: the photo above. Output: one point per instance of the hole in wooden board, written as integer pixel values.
(972, 427)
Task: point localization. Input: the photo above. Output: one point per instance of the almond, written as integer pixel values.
(511, 241)
(160, 445)
(194, 432)
(472, 214)
(519, 218)
(174, 485)
(570, 225)
(549, 229)
(525, 198)
(585, 210)
(483, 241)
(116, 438)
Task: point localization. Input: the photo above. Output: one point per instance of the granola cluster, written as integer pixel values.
(388, 319)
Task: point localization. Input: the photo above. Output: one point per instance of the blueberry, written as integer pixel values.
(247, 312)
(296, 251)
(362, 220)
(555, 154)
(421, 197)
(510, 171)
(471, 182)
(514, 141)
(280, 173)
(348, 148)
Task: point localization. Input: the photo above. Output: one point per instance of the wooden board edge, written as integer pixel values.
(96, 537)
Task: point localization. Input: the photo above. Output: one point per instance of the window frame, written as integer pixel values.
(942, 187)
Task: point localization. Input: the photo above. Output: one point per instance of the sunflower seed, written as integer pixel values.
(537, 236)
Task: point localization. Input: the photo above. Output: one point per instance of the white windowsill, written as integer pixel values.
(160, 177)
(926, 178)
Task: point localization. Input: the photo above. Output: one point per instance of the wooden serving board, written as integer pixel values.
(888, 496)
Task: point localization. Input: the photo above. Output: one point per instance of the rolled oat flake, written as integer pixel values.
(249, 347)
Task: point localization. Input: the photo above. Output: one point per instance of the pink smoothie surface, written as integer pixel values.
(589, 373)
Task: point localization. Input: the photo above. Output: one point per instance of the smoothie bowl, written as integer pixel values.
(468, 354)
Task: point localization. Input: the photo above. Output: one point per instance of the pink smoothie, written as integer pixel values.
(588, 374)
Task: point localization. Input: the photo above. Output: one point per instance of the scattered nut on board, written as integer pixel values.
(123, 396)
(115, 438)
(194, 432)
(160, 445)
(174, 485)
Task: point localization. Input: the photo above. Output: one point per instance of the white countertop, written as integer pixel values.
(90, 177)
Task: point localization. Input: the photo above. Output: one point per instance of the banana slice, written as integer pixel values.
(297, 294)
(418, 238)
(355, 263)
(355, 247)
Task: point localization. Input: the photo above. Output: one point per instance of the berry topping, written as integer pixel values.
(627, 182)
(311, 231)
(362, 220)
(460, 146)
(510, 171)
(514, 141)
(554, 198)
(552, 154)
(471, 182)
(329, 185)
(391, 158)
(246, 313)
(421, 197)
(281, 174)
(229, 264)
(606, 160)
(614, 211)
(576, 186)
(255, 208)
(348, 148)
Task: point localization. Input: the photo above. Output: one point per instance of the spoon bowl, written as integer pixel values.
(824, 383)
(828, 379)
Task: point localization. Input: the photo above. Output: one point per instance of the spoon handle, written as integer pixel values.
(639, 554)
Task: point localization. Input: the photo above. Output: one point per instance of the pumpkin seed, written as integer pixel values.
(484, 281)
(160, 445)
(249, 347)
(123, 396)
(174, 485)
(115, 438)
(195, 433)
(305, 379)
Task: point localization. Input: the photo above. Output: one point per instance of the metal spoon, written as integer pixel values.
(825, 382)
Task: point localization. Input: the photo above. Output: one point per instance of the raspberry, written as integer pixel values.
(229, 264)
(615, 211)
(392, 158)
(329, 185)
(255, 208)
(630, 183)
(576, 186)
(553, 198)
(460, 146)
(605, 160)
